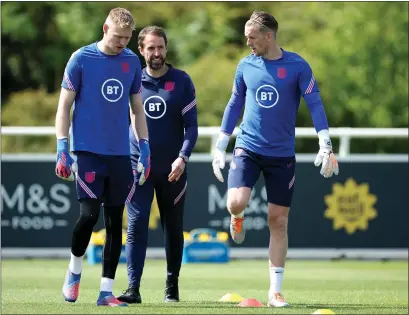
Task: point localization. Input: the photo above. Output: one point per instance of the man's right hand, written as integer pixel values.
(65, 166)
(219, 158)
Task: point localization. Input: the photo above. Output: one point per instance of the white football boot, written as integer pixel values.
(276, 300)
(237, 231)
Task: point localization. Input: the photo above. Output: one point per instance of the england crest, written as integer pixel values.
(169, 86)
(281, 73)
(125, 67)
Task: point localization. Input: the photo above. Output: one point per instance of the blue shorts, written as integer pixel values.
(278, 172)
(104, 177)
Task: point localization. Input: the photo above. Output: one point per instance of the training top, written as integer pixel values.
(103, 84)
(270, 91)
(171, 115)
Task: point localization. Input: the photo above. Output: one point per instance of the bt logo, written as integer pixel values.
(267, 96)
(154, 107)
(112, 90)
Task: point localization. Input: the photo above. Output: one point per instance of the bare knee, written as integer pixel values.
(237, 199)
(236, 206)
(277, 218)
(278, 224)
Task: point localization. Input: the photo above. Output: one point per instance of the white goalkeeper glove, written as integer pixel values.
(326, 156)
(219, 158)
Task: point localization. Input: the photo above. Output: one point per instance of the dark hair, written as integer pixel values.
(264, 20)
(153, 30)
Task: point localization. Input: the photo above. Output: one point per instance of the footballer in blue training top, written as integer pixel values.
(100, 106)
(271, 90)
(170, 106)
(269, 84)
(101, 79)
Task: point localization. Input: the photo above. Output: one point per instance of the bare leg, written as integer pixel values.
(237, 201)
(277, 223)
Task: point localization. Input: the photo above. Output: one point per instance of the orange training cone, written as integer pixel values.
(250, 303)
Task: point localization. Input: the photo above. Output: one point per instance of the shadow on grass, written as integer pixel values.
(339, 306)
(213, 304)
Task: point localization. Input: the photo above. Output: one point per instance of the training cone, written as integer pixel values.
(323, 311)
(231, 297)
(250, 303)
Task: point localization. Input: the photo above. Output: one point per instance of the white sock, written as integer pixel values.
(276, 279)
(240, 215)
(106, 284)
(75, 265)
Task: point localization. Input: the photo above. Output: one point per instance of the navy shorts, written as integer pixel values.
(278, 172)
(104, 177)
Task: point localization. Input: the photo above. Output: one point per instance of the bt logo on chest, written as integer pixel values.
(267, 96)
(154, 107)
(112, 90)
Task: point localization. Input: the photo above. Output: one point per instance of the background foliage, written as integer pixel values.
(358, 51)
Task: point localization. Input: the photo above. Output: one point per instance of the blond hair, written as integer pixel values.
(121, 17)
(265, 21)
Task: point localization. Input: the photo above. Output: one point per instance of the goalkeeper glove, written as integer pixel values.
(219, 159)
(65, 166)
(326, 156)
(144, 162)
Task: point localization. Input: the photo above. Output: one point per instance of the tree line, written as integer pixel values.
(357, 50)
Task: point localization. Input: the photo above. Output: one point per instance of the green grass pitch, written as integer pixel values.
(345, 287)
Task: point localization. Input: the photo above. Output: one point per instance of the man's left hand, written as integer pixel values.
(144, 161)
(178, 167)
(327, 160)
